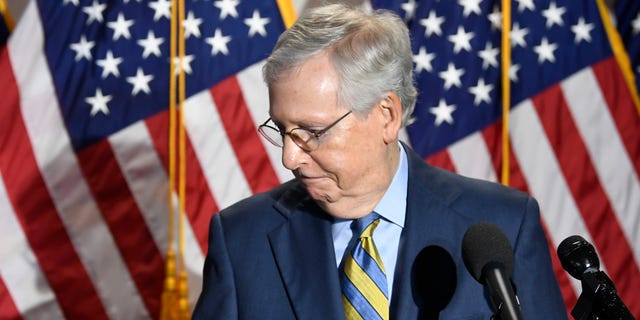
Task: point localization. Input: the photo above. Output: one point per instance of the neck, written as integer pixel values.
(360, 206)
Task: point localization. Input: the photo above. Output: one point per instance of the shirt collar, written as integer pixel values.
(393, 204)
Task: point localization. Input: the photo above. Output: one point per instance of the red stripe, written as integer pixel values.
(493, 138)
(8, 309)
(441, 159)
(243, 135)
(36, 211)
(618, 98)
(591, 199)
(200, 204)
(125, 221)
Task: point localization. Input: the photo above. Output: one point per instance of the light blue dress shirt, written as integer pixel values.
(386, 236)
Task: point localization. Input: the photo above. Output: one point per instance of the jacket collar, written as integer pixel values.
(303, 246)
(303, 249)
(430, 220)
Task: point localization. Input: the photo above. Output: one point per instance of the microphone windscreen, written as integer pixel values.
(435, 279)
(577, 255)
(485, 243)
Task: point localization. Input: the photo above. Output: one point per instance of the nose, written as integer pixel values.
(292, 155)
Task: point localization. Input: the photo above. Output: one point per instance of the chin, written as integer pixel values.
(323, 199)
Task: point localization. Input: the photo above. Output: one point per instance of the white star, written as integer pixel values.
(452, 76)
(83, 48)
(636, 24)
(525, 4)
(423, 60)
(94, 11)
(256, 24)
(517, 36)
(495, 18)
(140, 82)
(98, 103)
(151, 45)
(582, 31)
(554, 15)
(186, 64)
(109, 65)
(461, 40)
(470, 6)
(513, 72)
(489, 56)
(191, 26)
(443, 113)
(481, 92)
(218, 43)
(120, 27)
(227, 8)
(161, 8)
(74, 2)
(545, 51)
(432, 24)
(409, 8)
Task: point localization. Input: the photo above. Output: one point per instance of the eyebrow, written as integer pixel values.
(302, 125)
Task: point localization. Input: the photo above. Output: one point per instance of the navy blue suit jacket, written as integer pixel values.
(271, 256)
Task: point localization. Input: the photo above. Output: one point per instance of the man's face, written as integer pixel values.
(351, 169)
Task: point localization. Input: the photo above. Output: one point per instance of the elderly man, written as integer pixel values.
(342, 239)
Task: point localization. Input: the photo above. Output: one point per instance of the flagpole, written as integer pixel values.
(506, 88)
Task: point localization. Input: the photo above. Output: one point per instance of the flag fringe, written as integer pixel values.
(619, 52)
(175, 301)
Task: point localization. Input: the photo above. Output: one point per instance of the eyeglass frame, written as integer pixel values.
(304, 145)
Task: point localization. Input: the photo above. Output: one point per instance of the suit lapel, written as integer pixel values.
(429, 221)
(303, 249)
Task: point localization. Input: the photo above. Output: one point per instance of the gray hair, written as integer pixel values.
(371, 52)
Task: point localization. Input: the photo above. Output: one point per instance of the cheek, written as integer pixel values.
(349, 164)
(351, 157)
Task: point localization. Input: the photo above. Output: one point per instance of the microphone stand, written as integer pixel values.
(599, 299)
(502, 295)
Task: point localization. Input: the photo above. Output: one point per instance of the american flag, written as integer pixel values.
(6, 23)
(627, 13)
(574, 128)
(83, 137)
(83, 148)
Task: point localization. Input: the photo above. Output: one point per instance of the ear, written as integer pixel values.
(391, 111)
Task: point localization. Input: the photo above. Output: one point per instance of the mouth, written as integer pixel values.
(306, 180)
(304, 177)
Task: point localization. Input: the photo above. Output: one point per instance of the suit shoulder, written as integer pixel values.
(447, 180)
(479, 200)
(266, 208)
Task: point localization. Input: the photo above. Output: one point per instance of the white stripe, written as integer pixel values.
(472, 159)
(19, 268)
(256, 95)
(193, 256)
(606, 150)
(194, 263)
(211, 144)
(56, 160)
(404, 136)
(149, 183)
(145, 176)
(544, 177)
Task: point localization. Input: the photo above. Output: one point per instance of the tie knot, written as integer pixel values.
(365, 225)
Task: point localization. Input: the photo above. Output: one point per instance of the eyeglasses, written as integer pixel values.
(307, 139)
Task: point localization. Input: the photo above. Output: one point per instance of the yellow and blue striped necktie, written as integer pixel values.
(364, 284)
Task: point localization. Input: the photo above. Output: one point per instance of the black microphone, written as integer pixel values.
(599, 298)
(488, 255)
(434, 281)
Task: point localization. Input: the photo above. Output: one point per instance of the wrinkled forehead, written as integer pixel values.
(305, 92)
